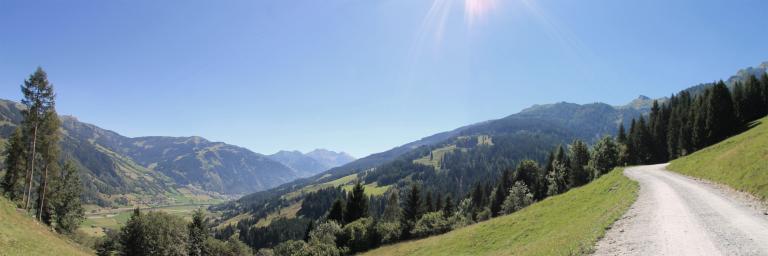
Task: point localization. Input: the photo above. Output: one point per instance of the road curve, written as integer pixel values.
(677, 215)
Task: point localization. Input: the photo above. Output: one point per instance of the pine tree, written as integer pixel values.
(198, 233)
(14, 166)
(336, 213)
(357, 204)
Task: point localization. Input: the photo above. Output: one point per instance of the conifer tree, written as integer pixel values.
(198, 233)
(502, 190)
(357, 204)
(39, 101)
(428, 206)
(68, 210)
(720, 122)
(579, 156)
(15, 165)
(448, 206)
(622, 135)
(413, 209)
(392, 211)
(336, 213)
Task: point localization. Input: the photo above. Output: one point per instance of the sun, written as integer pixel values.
(476, 10)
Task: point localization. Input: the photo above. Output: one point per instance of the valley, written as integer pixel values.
(383, 128)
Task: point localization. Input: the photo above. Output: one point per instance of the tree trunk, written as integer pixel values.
(42, 196)
(31, 169)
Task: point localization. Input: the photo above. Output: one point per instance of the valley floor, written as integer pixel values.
(676, 215)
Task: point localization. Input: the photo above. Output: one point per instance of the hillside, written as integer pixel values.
(156, 170)
(739, 162)
(567, 224)
(534, 130)
(20, 235)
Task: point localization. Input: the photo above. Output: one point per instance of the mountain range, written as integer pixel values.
(313, 162)
(153, 170)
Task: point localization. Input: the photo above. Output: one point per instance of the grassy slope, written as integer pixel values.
(567, 224)
(20, 235)
(740, 162)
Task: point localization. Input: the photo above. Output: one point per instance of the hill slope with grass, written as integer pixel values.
(20, 235)
(740, 162)
(567, 224)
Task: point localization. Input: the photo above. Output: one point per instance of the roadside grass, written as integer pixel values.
(567, 224)
(740, 162)
(21, 235)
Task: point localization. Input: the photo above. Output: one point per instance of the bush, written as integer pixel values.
(432, 223)
(357, 234)
(519, 197)
(388, 231)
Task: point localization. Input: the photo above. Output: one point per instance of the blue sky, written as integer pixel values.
(361, 76)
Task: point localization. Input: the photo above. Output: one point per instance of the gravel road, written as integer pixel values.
(677, 215)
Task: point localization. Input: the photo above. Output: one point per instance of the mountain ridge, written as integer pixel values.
(153, 166)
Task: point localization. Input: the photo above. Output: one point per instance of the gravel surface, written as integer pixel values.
(677, 215)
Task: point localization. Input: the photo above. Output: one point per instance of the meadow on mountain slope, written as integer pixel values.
(21, 235)
(566, 224)
(740, 162)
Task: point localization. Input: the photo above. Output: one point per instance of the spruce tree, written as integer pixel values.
(132, 237)
(428, 206)
(15, 165)
(740, 103)
(413, 209)
(502, 190)
(622, 135)
(579, 156)
(68, 210)
(38, 100)
(392, 211)
(357, 204)
(336, 213)
(448, 206)
(198, 233)
(720, 119)
(49, 152)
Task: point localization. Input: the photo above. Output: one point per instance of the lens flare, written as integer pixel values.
(477, 10)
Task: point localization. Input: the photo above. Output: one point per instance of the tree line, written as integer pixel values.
(36, 177)
(688, 122)
(350, 226)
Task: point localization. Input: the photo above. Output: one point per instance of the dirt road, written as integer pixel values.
(676, 215)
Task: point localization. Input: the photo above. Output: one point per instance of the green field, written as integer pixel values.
(567, 224)
(435, 158)
(740, 162)
(95, 224)
(21, 235)
(312, 188)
